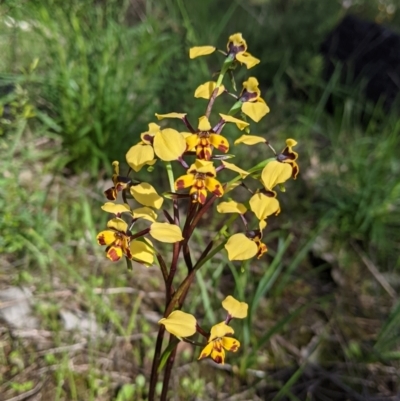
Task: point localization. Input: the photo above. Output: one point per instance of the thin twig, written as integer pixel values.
(374, 271)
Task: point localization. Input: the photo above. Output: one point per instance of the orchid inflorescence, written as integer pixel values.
(202, 151)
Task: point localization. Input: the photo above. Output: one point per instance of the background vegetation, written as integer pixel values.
(79, 81)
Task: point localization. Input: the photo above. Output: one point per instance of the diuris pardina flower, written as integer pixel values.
(117, 240)
(236, 47)
(120, 183)
(218, 342)
(201, 178)
(205, 139)
(252, 103)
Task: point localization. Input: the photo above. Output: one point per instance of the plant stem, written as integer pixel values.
(167, 373)
(156, 361)
(214, 95)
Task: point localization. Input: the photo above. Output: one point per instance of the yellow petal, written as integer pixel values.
(236, 169)
(239, 247)
(170, 115)
(146, 195)
(139, 155)
(116, 208)
(251, 85)
(230, 344)
(204, 124)
(148, 135)
(205, 91)
(184, 181)
(255, 110)
(153, 128)
(198, 51)
(180, 324)
(218, 352)
(186, 134)
(115, 165)
(142, 251)
(206, 350)
(214, 186)
(192, 141)
(106, 237)
(275, 173)
(235, 308)
(237, 40)
(220, 330)
(144, 213)
(229, 119)
(263, 206)
(231, 207)
(204, 167)
(114, 253)
(118, 224)
(289, 142)
(247, 59)
(165, 232)
(169, 144)
(219, 142)
(250, 140)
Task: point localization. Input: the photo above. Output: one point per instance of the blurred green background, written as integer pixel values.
(79, 81)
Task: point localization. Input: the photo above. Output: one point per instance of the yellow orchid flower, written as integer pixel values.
(200, 177)
(117, 240)
(237, 47)
(252, 103)
(180, 324)
(205, 139)
(218, 342)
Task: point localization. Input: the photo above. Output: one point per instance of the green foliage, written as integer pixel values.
(96, 76)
